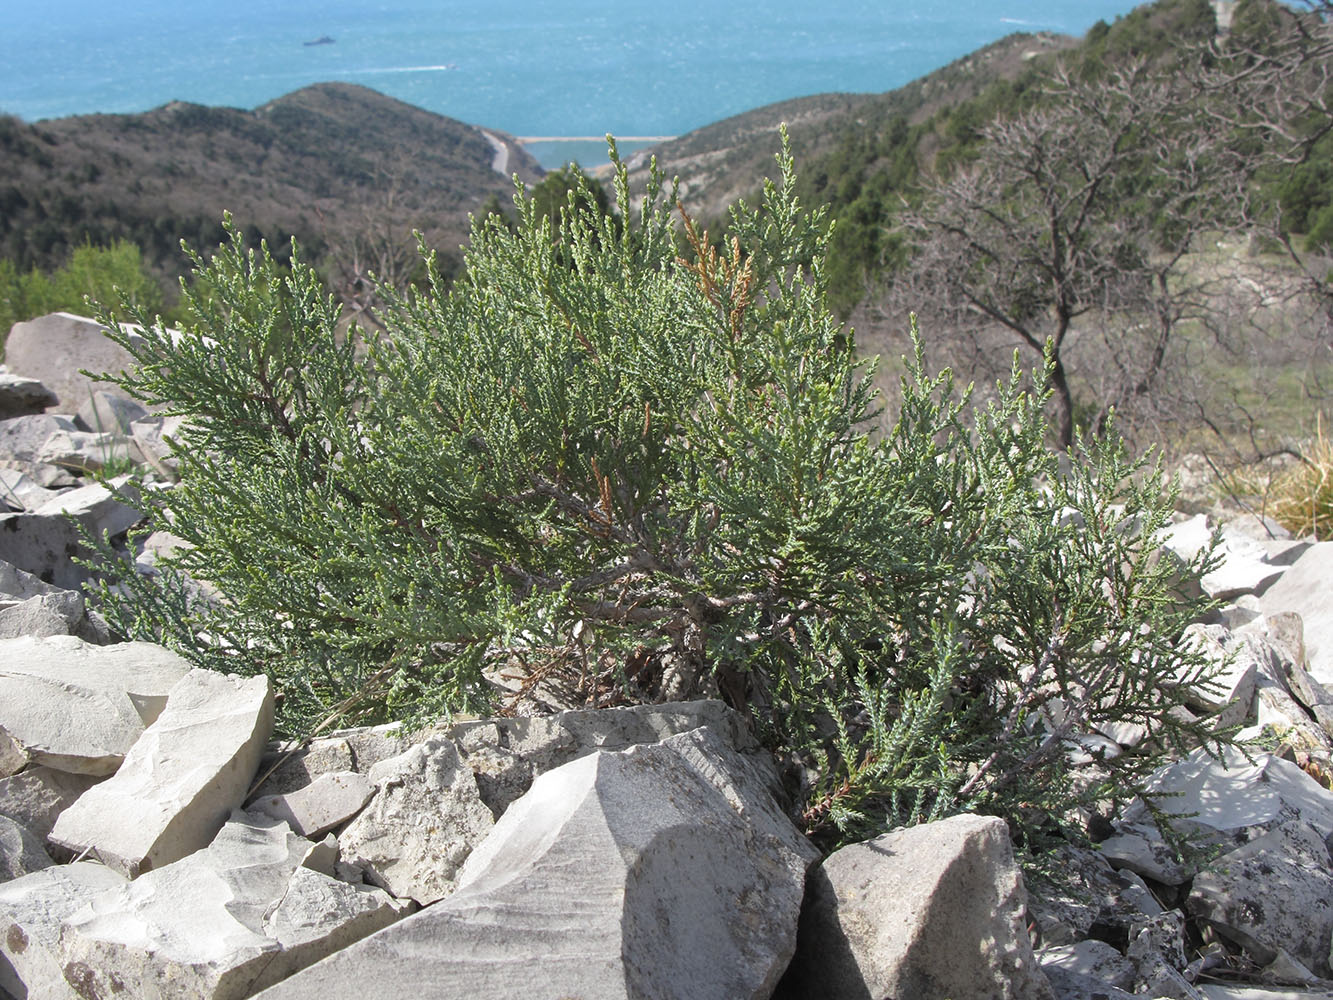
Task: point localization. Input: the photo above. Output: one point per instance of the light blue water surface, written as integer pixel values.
(533, 68)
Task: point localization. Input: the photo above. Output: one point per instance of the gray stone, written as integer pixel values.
(54, 348)
(180, 780)
(38, 795)
(22, 437)
(1304, 589)
(617, 875)
(1075, 986)
(46, 615)
(506, 754)
(286, 766)
(31, 911)
(109, 413)
(1236, 677)
(900, 916)
(390, 842)
(1094, 959)
(45, 542)
(86, 452)
(320, 806)
(1084, 891)
(20, 396)
(1141, 849)
(151, 437)
(19, 491)
(21, 585)
(1219, 991)
(79, 707)
(222, 923)
(1156, 942)
(1236, 896)
(21, 851)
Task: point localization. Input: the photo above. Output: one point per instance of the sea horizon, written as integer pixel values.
(524, 67)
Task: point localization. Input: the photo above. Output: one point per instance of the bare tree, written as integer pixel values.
(1090, 226)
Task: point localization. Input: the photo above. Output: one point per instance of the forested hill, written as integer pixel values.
(335, 164)
(728, 159)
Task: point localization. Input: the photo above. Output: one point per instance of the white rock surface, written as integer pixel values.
(19, 491)
(320, 806)
(106, 412)
(618, 875)
(181, 779)
(80, 707)
(1237, 665)
(424, 820)
(44, 542)
(222, 923)
(31, 911)
(897, 917)
(1093, 959)
(1089, 894)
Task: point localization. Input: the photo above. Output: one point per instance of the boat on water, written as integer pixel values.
(321, 40)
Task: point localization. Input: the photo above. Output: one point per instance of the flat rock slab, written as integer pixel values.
(20, 396)
(1273, 894)
(222, 923)
(662, 871)
(31, 911)
(901, 916)
(79, 707)
(180, 781)
(45, 541)
(1091, 893)
(1304, 589)
(56, 347)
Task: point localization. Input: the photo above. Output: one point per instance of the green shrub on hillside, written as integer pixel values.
(596, 462)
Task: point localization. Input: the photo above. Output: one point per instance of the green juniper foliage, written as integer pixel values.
(647, 469)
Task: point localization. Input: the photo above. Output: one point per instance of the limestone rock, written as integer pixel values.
(20, 396)
(1139, 847)
(424, 820)
(1075, 986)
(106, 412)
(288, 766)
(221, 923)
(38, 795)
(506, 754)
(1217, 991)
(1090, 893)
(85, 451)
(1304, 589)
(1237, 896)
(32, 909)
(1234, 796)
(19, 491)
(21, 852)
(617, 875)
(79, 707)
(149, 439)
(320, 806)
(1238, 668)
(180, 780)
(1092, 959)
(56, 347)
(44, 542)
(22, 437)
(888, 918)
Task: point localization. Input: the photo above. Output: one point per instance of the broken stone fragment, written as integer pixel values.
(21, 851)
(615, 874)
(320, 806)
(35, 797)
(1304, 589)
(1235, 894)
(180, 780)
(32, 909)
(886, 919)
(221, 923)
(79, 707)
(423, 822)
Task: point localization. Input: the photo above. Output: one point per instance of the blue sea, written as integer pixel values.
(575, 68)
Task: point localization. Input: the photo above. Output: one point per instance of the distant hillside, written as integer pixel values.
(328, 164)
(720, 162)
